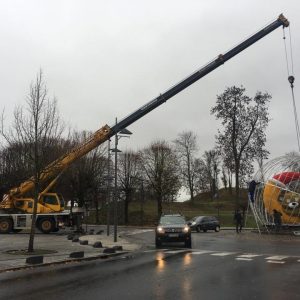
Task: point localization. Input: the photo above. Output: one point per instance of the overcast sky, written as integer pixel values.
(105, 59)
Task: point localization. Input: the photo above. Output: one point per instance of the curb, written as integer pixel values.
(69, 260)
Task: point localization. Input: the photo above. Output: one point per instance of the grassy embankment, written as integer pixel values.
(223, 208)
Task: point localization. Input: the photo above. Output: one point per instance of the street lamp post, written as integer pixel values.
(108, 189)
(116, 189)
(124, 133)
(142, 202)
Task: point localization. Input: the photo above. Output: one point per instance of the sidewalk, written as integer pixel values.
(59, 248)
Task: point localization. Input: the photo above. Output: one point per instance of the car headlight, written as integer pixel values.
(160, 229)
(193, 223)
(186, 229)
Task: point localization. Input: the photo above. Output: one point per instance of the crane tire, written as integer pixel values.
(46, 225)
(6, 225)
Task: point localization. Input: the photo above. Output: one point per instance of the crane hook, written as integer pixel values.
(291, 80)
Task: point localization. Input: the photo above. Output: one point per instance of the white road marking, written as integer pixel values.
(201, 252)
(244, 258)
(275, 261)
(248, 255)
(276, 257)
(175, 251)
(222, 253)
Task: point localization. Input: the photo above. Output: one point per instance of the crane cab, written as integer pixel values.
(47, 203)
(52, 202)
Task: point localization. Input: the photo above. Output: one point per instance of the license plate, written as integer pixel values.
(173, 235)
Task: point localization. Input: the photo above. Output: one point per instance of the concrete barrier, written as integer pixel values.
(79, 254)
(83, 242)
(109, 250)
(34, 260)
(75, 239)
(118, 248)
(70, 236)
(97, 245)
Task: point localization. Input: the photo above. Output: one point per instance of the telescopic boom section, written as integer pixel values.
(221, 59)
(106, 132)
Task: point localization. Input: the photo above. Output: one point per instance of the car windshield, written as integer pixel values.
(171, 220)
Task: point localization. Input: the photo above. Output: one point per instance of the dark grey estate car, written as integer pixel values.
(204, 223)
(173, 228)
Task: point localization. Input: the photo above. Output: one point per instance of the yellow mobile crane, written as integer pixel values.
(16, 208)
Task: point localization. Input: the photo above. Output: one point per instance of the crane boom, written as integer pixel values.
(221, 59)
(106, 132)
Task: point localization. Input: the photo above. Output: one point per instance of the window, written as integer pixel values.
(50, 200)
(171, 220)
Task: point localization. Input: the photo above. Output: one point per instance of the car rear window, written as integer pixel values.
(171, 220)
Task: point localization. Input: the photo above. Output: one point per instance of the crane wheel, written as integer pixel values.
(6, 225)
(46, 225)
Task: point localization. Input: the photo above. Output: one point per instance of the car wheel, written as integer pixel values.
(198, 229)
(157, 243)
(46, 225)
(6, 225)
(217, 229)
(188, 243)
(204, 230)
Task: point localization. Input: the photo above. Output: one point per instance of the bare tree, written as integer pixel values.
(14, 166)
(211, 161)
(129, 176)
(161, 170)
(87, 175)
(244, 120)
(186, 148)
(201, 178)
(36, 127)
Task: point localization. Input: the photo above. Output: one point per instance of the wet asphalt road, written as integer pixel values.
(217, 268)
(228, 240)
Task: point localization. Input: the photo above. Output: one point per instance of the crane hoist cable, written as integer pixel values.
(291, 79)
